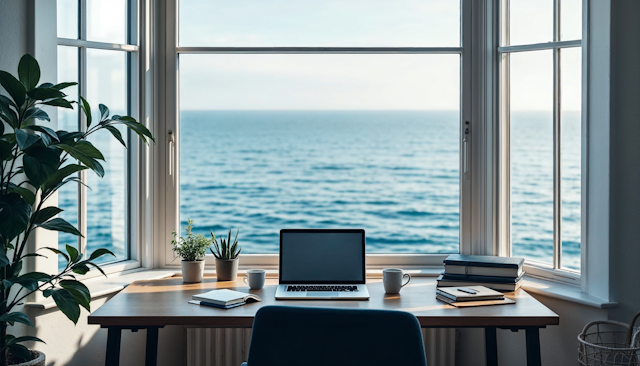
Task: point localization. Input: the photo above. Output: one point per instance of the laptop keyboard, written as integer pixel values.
(322, 288)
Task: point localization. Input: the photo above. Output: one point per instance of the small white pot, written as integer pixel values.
(192, 271)
(38, 359)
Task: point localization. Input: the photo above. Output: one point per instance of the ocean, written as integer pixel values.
(393, 173)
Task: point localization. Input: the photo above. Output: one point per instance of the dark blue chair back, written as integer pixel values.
(302, 336)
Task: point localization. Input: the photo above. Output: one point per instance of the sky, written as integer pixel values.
(341, 82)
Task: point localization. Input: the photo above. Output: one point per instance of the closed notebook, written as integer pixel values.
(204, 303)
(487, 279)
(482, 265)
(469, 293)
(225, 297)
(465, 304)
(442, 282)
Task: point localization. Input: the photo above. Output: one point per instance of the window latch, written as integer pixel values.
(171, 147)
(465, 150)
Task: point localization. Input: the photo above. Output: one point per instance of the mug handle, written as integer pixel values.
(244, 279)
(409, 279)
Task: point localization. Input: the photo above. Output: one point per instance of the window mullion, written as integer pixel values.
(557, 199)
(82, 90)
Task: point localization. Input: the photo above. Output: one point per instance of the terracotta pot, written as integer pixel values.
(192, 271)
(38, 359)
(227, 269)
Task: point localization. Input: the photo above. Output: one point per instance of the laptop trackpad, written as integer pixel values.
(322, 294)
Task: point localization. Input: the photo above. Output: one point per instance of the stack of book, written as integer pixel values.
(498, 273)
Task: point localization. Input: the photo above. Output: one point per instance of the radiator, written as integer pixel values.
(229, 347)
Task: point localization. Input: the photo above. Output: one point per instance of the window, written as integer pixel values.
(541, 65)
(318, 114)
(97, 48)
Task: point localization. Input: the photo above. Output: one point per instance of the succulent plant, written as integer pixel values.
(225, 249)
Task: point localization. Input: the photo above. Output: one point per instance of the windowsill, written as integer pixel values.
(101, 286)
(564, 292)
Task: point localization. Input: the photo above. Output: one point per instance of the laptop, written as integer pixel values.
(322, 264)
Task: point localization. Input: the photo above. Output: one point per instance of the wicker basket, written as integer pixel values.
(609, 343)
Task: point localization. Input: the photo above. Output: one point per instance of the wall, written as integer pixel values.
(625, 157)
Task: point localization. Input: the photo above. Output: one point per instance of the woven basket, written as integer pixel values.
(609, 343)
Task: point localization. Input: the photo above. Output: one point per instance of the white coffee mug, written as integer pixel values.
(392, 280)
(255, 278)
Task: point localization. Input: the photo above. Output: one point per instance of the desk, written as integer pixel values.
(154, 304)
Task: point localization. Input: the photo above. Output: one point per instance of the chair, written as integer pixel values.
(301, 336)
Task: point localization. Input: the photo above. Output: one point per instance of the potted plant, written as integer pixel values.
(192, 250)
(226, 254)
(35, 162)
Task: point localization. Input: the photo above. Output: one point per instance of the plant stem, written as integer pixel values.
(3, 326)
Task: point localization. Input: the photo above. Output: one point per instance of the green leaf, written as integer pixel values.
(61, 86)
(36, 113)
(67, 304)
(26, 339)
(26, 140)
(136, 127)
(4, 260)
(80, 268)
(89, 150)
(61, 225)
(14, 215)
(28, 280)
(48, 292)
(48, 135)
(5, 150)
(40, 163)
(60, 102)
(116, 133)
(92, 163)
(79, 291)
(20, 352)
(97, 267)
(86, 108)
(73, 253)
(16, 317)
(29, 71)
(45, 214)
(27, 194)
(57, 251)
(100, 252)
(57, 177)
(104, 112)
(68, 138)
(45, 94)
(15, 89)
(10, 115)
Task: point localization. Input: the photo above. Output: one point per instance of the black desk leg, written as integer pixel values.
(491, 346)
(151, 356)
(113, 346)
(533, 347)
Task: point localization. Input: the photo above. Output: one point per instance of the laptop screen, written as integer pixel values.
(322, 256)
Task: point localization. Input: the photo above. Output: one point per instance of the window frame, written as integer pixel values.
(136, 153)
(553, 271)
(169, 149)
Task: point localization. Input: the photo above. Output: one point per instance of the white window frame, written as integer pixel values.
(552, 271)
(168, 116)
(138, 105)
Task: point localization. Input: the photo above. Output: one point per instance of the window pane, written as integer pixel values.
(68, 121)
(106, 201)
(570, 20)
(106, 21)
(322, 141)
(571, 89)
(531, 103)
(325, 23)
(530, 21)
(67, 18)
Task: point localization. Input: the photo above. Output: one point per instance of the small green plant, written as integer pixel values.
(191, 248)
(226, 249)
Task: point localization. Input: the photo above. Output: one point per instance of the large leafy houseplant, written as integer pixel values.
(35, 162)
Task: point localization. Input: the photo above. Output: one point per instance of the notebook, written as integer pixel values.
(465, 304)
(469, 293)
(445, 281)
(196, 302)
(225, 297)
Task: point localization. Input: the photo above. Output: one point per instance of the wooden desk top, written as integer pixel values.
(164, 302)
